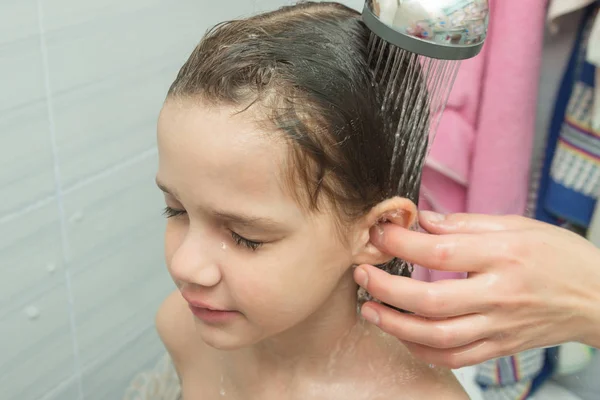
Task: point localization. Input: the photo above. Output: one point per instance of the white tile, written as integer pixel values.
(18, 20)
(60, 14)
(107, 123)
(356, 4)
(118, 297)
(32, 259)
(22, 73)
(26, 161)
(113, 212)
(270, 5)
(67, 390)
(110, 378)
(115, 233)
(126, 38)
(37, 353)
(110, 74)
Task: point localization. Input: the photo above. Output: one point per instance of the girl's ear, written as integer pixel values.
(397, 210)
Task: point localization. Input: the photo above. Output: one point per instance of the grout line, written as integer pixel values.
(50, 395)
(124, 344)
(59, 199)
(78, 185)
(26, 210)
(111, 170)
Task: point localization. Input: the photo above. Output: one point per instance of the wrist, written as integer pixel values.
(591, 335)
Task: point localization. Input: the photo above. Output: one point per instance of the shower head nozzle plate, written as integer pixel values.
(441, 29)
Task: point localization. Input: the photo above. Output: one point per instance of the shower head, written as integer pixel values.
(440, 29)
(415, 49)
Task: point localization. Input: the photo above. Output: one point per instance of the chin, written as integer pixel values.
(224, 345)
(224, 340)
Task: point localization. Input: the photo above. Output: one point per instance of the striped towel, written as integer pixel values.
(567, 185)
(516, 377)
(569, 182)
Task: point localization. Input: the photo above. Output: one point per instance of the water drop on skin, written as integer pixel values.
(222, 391)
(223, 246)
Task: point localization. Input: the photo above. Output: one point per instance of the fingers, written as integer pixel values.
(471, 354)
(440, 299)
(473, 223)
(456, 253)
(440, 334)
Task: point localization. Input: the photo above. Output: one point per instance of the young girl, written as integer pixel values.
(274, 160)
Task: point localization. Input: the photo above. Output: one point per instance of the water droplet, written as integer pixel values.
(32, 312)
(431, 365)
(222, 391)
(77, 217)
(223, 246)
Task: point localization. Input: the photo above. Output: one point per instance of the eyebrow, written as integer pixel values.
(163, 187)
(238, 219)
(248, 221)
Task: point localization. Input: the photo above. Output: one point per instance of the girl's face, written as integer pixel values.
(236, 239)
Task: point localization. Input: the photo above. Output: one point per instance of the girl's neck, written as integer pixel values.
(313, 345)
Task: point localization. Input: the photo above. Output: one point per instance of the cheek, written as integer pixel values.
(174, 235)
(275, 302)
(290, 283)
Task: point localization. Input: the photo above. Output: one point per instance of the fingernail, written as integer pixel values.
(431, 216)
(376, 234)
(370, 315)
(362, 277)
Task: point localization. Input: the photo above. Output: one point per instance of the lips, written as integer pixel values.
(201, 304)
(209, 314)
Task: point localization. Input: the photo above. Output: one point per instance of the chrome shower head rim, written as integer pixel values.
(398, 36)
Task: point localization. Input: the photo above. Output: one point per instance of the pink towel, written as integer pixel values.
(479, 161)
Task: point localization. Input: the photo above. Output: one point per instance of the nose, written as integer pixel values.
(193, 263)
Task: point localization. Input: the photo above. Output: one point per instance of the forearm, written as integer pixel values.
(592, 337)
(590, 310)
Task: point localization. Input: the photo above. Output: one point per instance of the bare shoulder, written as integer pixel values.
(419, 383)
(194, 362)
(412, 378)
(433, 382)
(175, 328)
(440, 383)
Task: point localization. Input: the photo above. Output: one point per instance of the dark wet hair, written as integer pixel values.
(306, 68)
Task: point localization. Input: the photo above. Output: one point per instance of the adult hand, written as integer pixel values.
(529, 285)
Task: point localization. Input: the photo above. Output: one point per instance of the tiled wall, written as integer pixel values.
(81, 270)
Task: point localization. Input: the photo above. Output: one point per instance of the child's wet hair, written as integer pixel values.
(304, 70)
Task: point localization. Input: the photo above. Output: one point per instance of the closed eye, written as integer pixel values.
(242, 241)
(170, 212)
